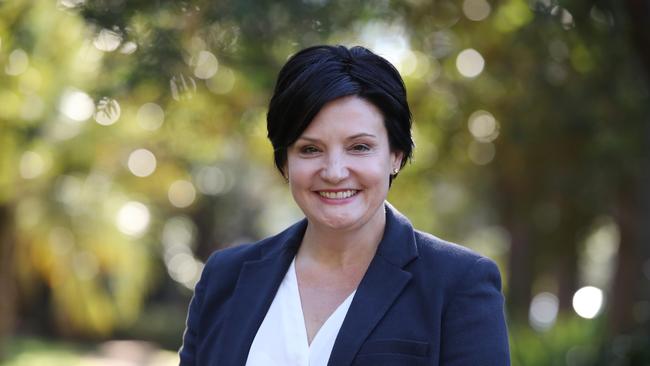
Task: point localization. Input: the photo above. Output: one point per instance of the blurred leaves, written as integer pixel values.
(132, 142)
(571, 342)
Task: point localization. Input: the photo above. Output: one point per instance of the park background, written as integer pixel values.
(133, 144)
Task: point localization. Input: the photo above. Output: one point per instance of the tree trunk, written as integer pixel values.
(639, 13)
(520, 270)
(631, 285)
(7, 283)
(567, 274)
(626, 263)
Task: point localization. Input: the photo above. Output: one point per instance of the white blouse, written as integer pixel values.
(282, 338)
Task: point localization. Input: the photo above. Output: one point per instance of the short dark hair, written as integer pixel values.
(320, 74)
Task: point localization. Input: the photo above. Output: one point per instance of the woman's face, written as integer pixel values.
(339, 168)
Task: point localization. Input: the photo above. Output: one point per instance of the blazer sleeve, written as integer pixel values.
(473, 325)
(187, 352)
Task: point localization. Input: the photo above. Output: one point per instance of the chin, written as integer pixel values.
(336, 222)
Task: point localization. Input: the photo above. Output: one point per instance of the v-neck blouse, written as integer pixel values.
(282, 337)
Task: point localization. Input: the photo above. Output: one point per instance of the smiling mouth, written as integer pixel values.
(340, 195)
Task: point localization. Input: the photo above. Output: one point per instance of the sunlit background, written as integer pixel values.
(133, 144)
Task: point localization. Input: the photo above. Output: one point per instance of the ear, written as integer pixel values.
(396, 160)
(285, 172)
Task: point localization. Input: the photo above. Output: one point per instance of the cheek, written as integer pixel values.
(298, 172)
(374, 172)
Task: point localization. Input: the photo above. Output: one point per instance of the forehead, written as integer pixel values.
(349, 115)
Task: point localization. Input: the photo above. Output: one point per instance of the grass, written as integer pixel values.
(37, 352)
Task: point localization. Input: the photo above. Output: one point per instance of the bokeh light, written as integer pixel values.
(543, 311)
(107, 40)
(68, 189)
(76, 105)
(71, 3)
(476, 10)
(211, 180)
(205, 65)
(388, 40)
(183, 87)
(442, 43)
(566, 18)
(185, 269)
(181, 193)
(481, 153)
(222, 82)
(178, 238)
(598, 258)
(588, 302)
(483, 126)
(150, 116)
(18, 62)
(133, 218)
(31, 165)
(128, 47)
(470, 63)
(108, 111)
(179, 234)
(142, 163)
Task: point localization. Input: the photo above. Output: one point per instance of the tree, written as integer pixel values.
(529, 149)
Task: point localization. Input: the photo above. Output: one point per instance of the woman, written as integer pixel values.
(353, 283)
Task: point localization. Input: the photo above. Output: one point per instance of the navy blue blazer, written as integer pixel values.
(423, 301)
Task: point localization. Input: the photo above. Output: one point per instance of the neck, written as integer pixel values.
(342, 248)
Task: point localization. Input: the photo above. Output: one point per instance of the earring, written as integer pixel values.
(395, 171)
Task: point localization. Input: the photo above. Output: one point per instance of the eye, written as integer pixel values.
(309, 149)
(360, 148)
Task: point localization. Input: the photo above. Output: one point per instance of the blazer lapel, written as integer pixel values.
(380, 287)
(256, 287)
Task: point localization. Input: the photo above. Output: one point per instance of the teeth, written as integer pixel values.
(338, 195)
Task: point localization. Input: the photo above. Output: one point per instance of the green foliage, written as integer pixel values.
(35, 352)
(57, 173)
(562, 102)
(571, 341)
(31, 352)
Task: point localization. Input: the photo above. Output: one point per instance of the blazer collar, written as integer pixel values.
(397, 246)
(380, 287)
(259, 281)
(254, 292)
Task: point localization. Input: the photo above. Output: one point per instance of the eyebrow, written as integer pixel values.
(363, 134)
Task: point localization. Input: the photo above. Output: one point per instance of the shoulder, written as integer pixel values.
(472, 314)
(437, 259)
(221, 270)
(453, 261)
(430, 247)
(226, 263)
(232, 257)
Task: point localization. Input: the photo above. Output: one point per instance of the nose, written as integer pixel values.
(334, 169)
